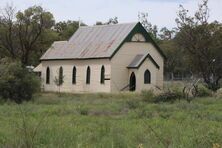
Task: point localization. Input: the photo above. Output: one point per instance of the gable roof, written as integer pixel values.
(94, 42)
(54, 51)
(139, 59)
(136, 61)
(38, 68)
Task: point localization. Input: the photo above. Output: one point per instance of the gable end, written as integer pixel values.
(140, 29)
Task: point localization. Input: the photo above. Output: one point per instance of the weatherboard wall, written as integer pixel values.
(81, 67)
(120, 73)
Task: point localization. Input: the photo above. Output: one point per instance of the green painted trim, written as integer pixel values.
(139, 29)
(75, 59)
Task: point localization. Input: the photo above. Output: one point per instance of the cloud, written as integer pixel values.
(161, 12)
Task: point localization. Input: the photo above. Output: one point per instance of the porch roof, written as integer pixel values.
(139, 59)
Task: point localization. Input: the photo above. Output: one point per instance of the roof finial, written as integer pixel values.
(79, 22)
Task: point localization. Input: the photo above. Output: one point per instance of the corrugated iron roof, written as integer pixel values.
(38, 68)
(136, 61)
(139, 59)
(90, 42)
(54, 50)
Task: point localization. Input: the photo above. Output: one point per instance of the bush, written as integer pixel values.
(16, 82)
(133, 104)
(82, 110)
(219, 93)
(203, 91)
(167, 97)
(147, 95)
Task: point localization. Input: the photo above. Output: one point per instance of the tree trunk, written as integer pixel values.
(214, 84)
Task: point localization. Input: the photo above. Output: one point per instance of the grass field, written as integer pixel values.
(110, 121)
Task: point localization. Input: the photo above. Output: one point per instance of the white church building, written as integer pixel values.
(106, 58)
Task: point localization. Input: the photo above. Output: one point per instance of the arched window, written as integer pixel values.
(147, 77)
(74, 75)
(102, 77)
(60, 75)
(47, 75)
(88, 75)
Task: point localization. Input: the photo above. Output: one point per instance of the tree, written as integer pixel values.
(66, 29)
(16, 82)
(99, 23)
(111, 21)
(152, 29)
(20, 32)
(176, 61)
(59, 80)
(201, 42)
(45, 40)
(166, 34)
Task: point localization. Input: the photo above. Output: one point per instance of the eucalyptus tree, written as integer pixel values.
(201, 43)
(20, 32)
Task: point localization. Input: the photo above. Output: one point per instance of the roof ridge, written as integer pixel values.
(109, 25)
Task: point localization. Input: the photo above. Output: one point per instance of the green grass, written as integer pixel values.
(110, 121)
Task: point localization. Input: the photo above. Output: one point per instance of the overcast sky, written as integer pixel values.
(161, 12)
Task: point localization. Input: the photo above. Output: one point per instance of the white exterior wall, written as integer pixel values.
(120, 74)
(81, 67)
(139, 73)
(115, 69)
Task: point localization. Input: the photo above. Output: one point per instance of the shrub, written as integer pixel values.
(82, 110)
(16, 82)
(219, 93)
(167, 97)
(133, 104)
(203, 91)
(147, 95)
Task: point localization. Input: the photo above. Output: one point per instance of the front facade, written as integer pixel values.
(108, 58)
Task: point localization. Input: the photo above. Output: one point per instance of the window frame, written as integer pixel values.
(147, 77)
(88, 75)
(74, 71)
(47, 75)
(61, 74)
(102, 75)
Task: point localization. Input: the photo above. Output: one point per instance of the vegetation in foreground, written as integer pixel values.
(110, 120)
(16, 82)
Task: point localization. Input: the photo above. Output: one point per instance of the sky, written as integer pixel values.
(161, 12)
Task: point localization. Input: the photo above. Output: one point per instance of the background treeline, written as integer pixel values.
(193, 48)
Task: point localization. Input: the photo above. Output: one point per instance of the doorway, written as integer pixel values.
(132, 85)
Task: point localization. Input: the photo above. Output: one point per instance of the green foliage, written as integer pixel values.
(147, 95)
(176, 61)
(16, 83)
(167, 97)
(203, 91)
(47, 37)
(149, 125)
(27, 130)
(151, 29)
(111, 21)
(133, 104)
(20, 37)
(66, 29)
(172, 91)
(82, 110)
(201, 42)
